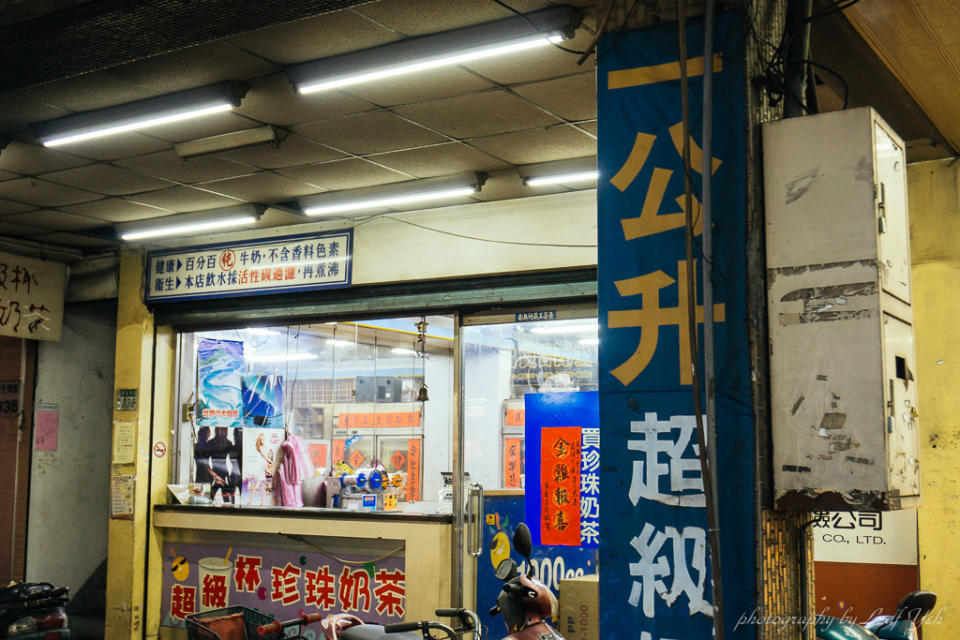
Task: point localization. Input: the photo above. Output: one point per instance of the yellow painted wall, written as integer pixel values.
(934, 201)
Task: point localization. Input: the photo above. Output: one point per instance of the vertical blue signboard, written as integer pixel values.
(655, 577)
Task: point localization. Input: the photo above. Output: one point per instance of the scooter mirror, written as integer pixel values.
(507, 569)
(522, 541)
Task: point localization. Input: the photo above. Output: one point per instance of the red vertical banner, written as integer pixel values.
(413, 469)
(512, 462)
(338, 451)
(560, 486)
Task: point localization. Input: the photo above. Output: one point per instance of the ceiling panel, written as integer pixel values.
(55, 220)
(106, 179)
(417, 87)
(89, 91)
(371, 132)
(344, 174)
(119, 146)
(571, 98)
(43, 194)
(7, 175)
(16, 229)
(188, 68)
(407, 16)
(539, 145)
(74, 240)
(478, 114)
(292, 151)
(272, 100)
(589, 126)
(168, 165)
(261, 187)
(313, 38)
(32, 159)
(17, 111)
(182, 199)
(115, 210)
(8, 206)
(440, 160)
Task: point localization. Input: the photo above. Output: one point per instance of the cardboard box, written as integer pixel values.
(579, 608)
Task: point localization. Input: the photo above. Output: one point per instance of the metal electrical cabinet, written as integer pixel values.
(842, 364)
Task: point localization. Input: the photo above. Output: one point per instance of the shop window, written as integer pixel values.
(367, 399)
(503, 363)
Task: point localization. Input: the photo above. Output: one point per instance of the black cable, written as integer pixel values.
(835, 8)
(843, 81)
(538, 29)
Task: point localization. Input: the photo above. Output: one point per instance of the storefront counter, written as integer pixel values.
(392, 566)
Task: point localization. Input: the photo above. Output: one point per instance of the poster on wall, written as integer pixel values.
(656, 579)
(260, 448)
(562, 446)
(262, 400)
(282, 583)
(217, 463)
(219, 383)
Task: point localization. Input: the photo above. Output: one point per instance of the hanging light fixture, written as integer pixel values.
(512, 35)
(575, 173)
(143, 114)
(191, 223)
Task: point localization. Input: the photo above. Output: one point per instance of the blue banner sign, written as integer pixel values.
(655, 575)
(290, 263)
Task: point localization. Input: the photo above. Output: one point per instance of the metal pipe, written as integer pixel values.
(705, 469)
(798, 24)
(706, 212)
(458, 445)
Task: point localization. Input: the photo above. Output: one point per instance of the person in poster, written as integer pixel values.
(220, 457)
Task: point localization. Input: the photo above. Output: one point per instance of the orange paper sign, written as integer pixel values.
(512, 462)
(560, 486)
(515, 418)
(413, 469)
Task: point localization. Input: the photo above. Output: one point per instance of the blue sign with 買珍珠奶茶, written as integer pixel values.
(271, 265)
(655, 571)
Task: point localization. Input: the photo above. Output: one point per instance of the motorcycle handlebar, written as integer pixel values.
(397, 627)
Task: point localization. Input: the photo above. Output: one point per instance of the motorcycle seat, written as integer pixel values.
(376, 632)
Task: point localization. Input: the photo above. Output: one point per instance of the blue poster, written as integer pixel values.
(562, 468)
(262, 400)
(655, 576)
(219, 397)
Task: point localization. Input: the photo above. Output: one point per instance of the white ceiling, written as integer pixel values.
(488, 116)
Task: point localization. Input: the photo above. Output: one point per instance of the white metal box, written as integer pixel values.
(842, 364)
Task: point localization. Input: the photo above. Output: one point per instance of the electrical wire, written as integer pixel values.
(355, 563)
(509, 242)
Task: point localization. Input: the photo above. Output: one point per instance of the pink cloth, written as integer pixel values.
(293, 469)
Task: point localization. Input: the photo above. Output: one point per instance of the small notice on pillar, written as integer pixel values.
(121, 497)
(46, 427)
(124, 442)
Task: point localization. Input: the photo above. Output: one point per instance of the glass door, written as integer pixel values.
(504, 358)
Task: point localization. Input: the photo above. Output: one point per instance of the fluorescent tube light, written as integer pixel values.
(390, 201)
(180, 229)
(227, 141)
(194, 222)
(283, 357)
(411, 55)
(260, 331)
(590, 341)
(400, 351)
(340, 343)
(564, 178)
(392, 196)
(143, 114)
(444, 60)
(565, 328)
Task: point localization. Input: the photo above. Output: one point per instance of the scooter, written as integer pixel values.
(525, 603)
(902, 625)
(33, 611)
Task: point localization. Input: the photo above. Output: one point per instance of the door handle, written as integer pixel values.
(475, 521)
